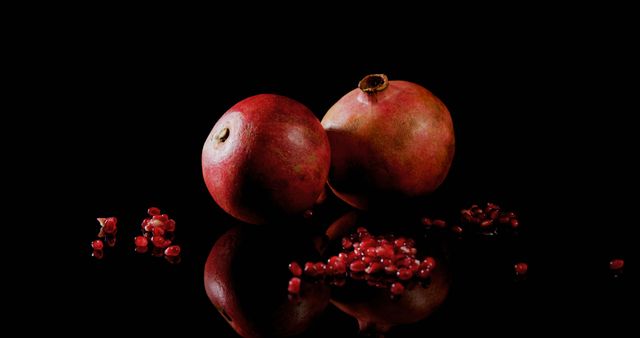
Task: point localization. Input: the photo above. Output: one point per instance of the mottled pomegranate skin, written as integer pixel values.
(394, 141)
(266, 158)
(246, 276)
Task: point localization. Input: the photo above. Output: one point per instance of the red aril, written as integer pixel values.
(389, 140)
(266, 157)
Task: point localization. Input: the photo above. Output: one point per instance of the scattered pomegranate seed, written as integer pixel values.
(97, 244)
(429, 263)
(294, 285)
(397, 289)
(109, 226)
(616, 264)
(457, 229)
(153, 211)
(439, 223)
(514, 223)
(141, 241)
(486, 223)
(346, 243)
(521, 268)
(295, 269)
(98, 254)
(172, 251)
(426, 221)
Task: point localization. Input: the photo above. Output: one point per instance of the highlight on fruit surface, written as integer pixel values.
(389, 140)
(265, 159)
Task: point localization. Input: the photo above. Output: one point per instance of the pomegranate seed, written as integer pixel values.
(404, 274)
(426, 221)
(362, 230)
(368, 243)
(457, 229)
(371, 252)
(486, 223)
(141, 241)
(511, 215)
(399, 242)
(110, 225)
(424, 273)
(308, 213)
(397, 289)
(295, 269)
(162, 218)
(97, 244)
(514, 223)
(346, 243)
(340, 267)
(320, 268)
(503, 219)
(391, 269)
(494, 214)
(374, 268)
(309, 269)
(343, 257)
(429, 263)
(172, 251)
(439, 223)
(158, 231)
(521, 268)
(294, 285)
(98, 254)
(357, 266)
(153, 211)
(405, 262)
(616, 264)
(367, 259)
(160, 242)
(170, 226)
(385, 251)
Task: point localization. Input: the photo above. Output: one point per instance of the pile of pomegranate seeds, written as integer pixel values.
(383, 262)
(108, 229)
(158, 229)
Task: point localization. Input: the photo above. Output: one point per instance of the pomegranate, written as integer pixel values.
(389, 140)
(244, 277)
(266, 158)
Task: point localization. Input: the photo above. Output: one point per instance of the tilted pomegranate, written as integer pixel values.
(266, 158)
(390, 140)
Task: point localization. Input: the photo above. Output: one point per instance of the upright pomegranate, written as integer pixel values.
(390, 140)
(246, 275)
(266, 158)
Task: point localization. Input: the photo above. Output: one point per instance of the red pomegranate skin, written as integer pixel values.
(266, 158)
(388, 143)
(377, 312)
(246, 276)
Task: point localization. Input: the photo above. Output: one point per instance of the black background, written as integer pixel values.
(542, 128)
